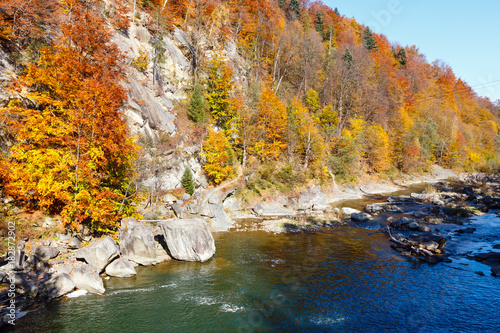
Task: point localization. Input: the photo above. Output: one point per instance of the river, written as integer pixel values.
(344, 279)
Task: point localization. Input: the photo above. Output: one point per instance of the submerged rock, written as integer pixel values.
(99, 254)
(188, 239)
(361, 217)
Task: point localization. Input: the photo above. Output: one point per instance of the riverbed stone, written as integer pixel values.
(59, 285)
(99, 254)
(347, 212)
(413, 225)
(423, 237)
(137, 243)
(374, 208)
(86, 277)
(120, 267)
(361, 217)
(188, 239)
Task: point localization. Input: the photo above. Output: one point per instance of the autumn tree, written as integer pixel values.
(72, 155)
(310, 144)
(270, 126)
(377, 149)
(220, 86)
(218, 153)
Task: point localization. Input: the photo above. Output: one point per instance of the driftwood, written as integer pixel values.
(423, 252)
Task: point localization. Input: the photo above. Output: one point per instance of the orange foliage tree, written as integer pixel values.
(72, 155)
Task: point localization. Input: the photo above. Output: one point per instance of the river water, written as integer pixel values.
(344, 279)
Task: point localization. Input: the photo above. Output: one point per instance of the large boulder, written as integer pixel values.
(59, 285)
(137, 242)
(99, 254)
(120, 267)
(188, 239)
(86, 277)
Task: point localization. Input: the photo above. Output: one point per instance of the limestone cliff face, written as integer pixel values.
(153, 96)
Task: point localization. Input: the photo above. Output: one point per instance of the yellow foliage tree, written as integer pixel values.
(310, 143)
(378, 148)
(270, 127)
(220, 86)
(218, 153)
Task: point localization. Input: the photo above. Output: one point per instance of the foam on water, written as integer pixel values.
(231, 308)
(77, 293)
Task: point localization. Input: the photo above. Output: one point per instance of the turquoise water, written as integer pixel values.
(340, 280)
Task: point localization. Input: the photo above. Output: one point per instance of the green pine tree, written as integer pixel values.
(196, 109)
(336, 10)
(369, 39)
(348, 56)
(320, 25)
(294, 7)
(187, 181)
(402, 56)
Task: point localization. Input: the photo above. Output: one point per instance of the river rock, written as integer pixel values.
(424, 228)
(272, 209)
(74, 244)
(361, 217)
(26, 285)
(45, 252)
(120, 267)
(99, 254)
(188, 239)
(206, 211)
(413, 225)
(321, 206)
(179, 211)
(59, 285)
(86, 277)
(374, 208)
(19, 260)
(137, 242)
(418, 214)
(64, 268)
(393, 209)
(307, 199)
(424, 237)
(347, 212)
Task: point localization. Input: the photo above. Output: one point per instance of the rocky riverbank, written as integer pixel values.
(68, 264)
(46, 270)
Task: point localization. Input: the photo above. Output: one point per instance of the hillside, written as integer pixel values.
(108, 103)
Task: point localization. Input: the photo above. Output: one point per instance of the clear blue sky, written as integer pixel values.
(463, 34)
